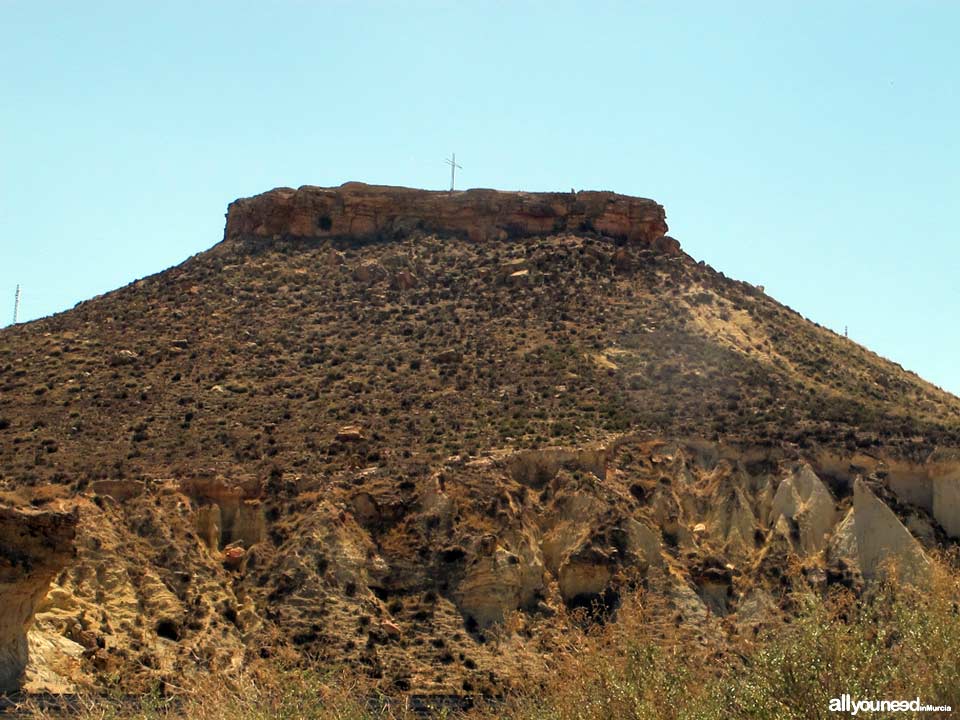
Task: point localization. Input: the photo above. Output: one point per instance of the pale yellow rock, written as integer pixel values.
(209, 525)
(803, 498)
(731, 519)
(497, 584)
(36, 546)
(53, 661)
(644, 542)
(872, 537)
(756, 607)
(583, 579)
(946, 502)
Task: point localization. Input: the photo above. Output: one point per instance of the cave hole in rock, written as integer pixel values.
(168, 629)
(452, 555)
(600, 607)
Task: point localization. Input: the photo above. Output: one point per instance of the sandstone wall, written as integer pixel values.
(359, 210)
(34, 547)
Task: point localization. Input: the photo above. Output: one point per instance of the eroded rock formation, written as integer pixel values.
(361, 211)
(34, 547)
(228, 512)
(872, 538)
(803, 500)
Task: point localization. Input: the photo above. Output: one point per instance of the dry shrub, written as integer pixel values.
(897, 642)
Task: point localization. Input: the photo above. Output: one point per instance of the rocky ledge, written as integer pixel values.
(357, 210)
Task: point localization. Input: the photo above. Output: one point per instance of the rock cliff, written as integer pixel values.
(34, 547)
(365, 211)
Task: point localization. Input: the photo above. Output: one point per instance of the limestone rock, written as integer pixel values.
(36, 546)
(497, 581)
(359, 210)
(584, 576)
(756, 608)
(350, 433)
(404, 280)
(871, 536)
(684, 598)
(335, 258)
(803, 499)
(370, 271)
(119, 490)
(448, 357)
(731, 519)
(511, 267)
(666, 245)
(520, 277)
(946, 502)
(228, 511)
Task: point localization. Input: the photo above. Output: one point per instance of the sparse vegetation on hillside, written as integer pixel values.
(254, 360)
(378, 454)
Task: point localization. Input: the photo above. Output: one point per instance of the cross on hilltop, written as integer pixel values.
(452, 162)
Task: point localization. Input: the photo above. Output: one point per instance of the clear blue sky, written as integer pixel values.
(810, 147)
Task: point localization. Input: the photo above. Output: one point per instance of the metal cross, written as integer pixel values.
(452, 162)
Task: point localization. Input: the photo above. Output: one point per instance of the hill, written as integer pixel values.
(424, 434)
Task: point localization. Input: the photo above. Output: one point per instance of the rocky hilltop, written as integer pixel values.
(423, 435)
(356, 210)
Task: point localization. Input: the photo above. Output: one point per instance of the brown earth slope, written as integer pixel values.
(411, 431)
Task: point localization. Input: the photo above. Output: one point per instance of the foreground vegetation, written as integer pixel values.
(895, 643)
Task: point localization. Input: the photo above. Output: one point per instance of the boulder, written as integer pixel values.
(520, 277)
(351, 434)
(404, 280)
(369, 271)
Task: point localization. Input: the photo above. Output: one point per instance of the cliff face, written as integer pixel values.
(34, 546)
(360, 210)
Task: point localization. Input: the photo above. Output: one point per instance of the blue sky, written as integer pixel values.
(810, 147)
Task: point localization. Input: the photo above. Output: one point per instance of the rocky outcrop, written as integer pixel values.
(931, 484)
(871, 537)
(34, 547)
(228, 512)
(498, 581)
(363, 211)
(804, 501)
(536, 467)
(946, 500)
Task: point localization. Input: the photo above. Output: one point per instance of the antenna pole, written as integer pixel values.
(16, 305)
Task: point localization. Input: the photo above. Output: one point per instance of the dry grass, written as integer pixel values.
(897, 644)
